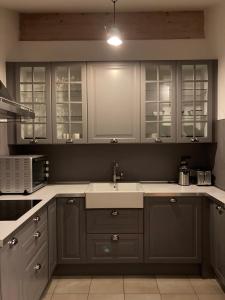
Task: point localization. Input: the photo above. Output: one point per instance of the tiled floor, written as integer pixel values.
(133, 288)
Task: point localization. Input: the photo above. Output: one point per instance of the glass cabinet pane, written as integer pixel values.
(201, 129)
(151, 111)
(188, 130)
(40, 131)
(26, 74)
(151, 130)
(62, 113)
(165, 111)
(201, 72)
(165, 73)
(164, 130)
(164, 92)
(187, 72)
(26, 131)
(61, 74)
(39, 74)
(151, 91)
(76, 112)
(63, 132)
(77, 131)
(75, 92)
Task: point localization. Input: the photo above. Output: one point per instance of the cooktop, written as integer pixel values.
(11, 210)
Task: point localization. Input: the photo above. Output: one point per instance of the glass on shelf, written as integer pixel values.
(26, 131)
(76, 131)
(39, 74)
(165, 91)
(75, 73)
(165, 73)
(187, 129)
(61, 74)
(201, 72)
(151, 130)
(62, 113)
(187, 72)
(151, 111)
(151, 91)
(40, 131)
(165, 110)
(201, 129)
(165, 130)
(63, 132)
(76, 112)
(151, 72)
(75, 92)
(26, 74)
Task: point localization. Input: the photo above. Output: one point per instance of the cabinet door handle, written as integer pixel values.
(36, 219)
(173, 200)
(12, 242)
(37, 235)
(71, 201)
(194, 140)
(114, 141)
(114, 213)
(158, 140)
(115, 237)
(37, 267)
(220, 209)
(34, 141)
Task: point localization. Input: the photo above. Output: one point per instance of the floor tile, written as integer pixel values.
(51, 287)
(69, 297)
(179, 297)
(176, 286)
(140, 285)
(142, 297)
(74, 285)
(206, 286)
(106, 297)
(211, 297)
(106, 285)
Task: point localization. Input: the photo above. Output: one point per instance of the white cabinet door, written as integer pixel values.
(113, 102)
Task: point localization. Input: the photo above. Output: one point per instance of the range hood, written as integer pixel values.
(12, 109)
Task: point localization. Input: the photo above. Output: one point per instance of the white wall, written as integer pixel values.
(8, 37)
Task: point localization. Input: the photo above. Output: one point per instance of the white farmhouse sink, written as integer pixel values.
(108, 195)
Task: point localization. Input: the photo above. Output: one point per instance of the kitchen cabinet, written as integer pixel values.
(52, 237)
(217, 225)
(113, 102)
(195, 101)
(158, 102)
(172, 229)
(71, 232)
(33, 89)
(69, 100)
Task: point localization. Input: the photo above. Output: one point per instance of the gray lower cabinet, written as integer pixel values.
(115, 248)
(217, 224)
(71, 237)
(52, 237)
(173, 229)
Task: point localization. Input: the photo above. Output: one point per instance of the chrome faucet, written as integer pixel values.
(115, 172)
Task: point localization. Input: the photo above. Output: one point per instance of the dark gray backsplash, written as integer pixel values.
(138, 161)
(219, 164)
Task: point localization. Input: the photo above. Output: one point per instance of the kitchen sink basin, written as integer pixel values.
(110, 195)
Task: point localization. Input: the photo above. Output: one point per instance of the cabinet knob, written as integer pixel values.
(71, 201)
(37, 235)
(114, 213)
(12, 242)
(158, 140)
(34, 141)
(114, 141)
(194, 140)
(173, 200)
(36, 219)
(220, 209)
(115, 237)
(37, 267)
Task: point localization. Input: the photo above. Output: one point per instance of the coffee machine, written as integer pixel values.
(184, 172)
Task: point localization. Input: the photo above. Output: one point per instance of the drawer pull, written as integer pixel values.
(114, 213)
(37, 267)
(71, 201)
(115, 237)
(36, 219)
(12, 242)
(172, 200)
(37, 235)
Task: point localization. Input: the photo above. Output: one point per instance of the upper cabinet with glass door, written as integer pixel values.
(69, 103)
(195, 102)
(33, 90)
(158, 98)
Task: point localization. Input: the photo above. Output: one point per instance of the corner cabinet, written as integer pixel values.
(33, 89)
(113, 102)
(158, 102)
(194, 101)
(69, 103)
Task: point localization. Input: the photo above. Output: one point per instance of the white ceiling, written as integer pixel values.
(104, 5)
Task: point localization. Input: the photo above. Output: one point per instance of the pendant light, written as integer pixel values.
(114, 36)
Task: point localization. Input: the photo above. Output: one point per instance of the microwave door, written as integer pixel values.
(39, 172)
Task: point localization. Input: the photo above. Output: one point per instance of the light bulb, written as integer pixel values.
(114, 38)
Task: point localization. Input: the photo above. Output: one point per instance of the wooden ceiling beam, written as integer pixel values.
(91, 26)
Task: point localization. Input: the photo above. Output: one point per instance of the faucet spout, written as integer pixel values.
(115, 173)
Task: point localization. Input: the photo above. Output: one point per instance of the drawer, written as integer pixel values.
(115, 248)
(115, 220)
(36, 275)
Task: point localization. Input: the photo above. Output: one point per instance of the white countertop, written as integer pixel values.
(50, 191)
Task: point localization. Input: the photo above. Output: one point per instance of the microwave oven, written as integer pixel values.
(23, 174)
